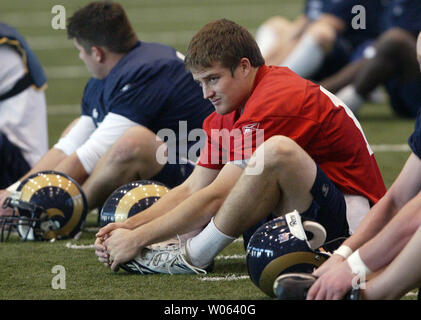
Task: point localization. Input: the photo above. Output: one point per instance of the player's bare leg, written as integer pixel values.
(395, 57)
(274, 38)
(284, 185)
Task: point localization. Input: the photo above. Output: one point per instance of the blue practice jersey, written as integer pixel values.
(405, 14)
(151, 87)
(350, 11)
(314, 8)
(414, 140)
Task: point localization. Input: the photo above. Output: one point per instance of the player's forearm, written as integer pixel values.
(72, 166)
(190, 215)
(48, 162)
(165, 204)
(373, 222)
(400, 276)
(385, 246)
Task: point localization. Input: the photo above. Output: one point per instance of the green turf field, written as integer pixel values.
(26, 268)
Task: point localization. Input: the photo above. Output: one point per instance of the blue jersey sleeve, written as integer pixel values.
(90, 104)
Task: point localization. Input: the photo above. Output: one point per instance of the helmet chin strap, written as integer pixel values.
(298, 229)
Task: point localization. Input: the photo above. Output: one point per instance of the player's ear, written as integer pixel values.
(245, 66)
(98, 54)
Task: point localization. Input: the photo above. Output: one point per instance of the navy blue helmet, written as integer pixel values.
(47, 205)
(130, 199)
(277, 247)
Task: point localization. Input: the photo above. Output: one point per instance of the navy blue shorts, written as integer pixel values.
(174, 174)
(405, 96)
(12, 164)
(327, 208)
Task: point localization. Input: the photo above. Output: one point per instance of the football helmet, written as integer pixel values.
(46, 205)
(130, 199)
(284, 244)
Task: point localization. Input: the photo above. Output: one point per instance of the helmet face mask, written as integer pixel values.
(47, 205)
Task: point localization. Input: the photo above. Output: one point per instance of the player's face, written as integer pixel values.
(90, 60)
(225, 90)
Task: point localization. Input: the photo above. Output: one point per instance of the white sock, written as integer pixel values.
(351, 98)
(206, 245)
(306, 58)
(266, 38)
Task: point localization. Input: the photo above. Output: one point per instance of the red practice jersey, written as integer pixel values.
(282, 103)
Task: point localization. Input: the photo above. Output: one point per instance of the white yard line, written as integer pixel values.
(69, 245)
(391, 148)
(232, 257)
(231, 277)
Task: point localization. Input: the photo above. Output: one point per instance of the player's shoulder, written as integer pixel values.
(146, 56)
(93, 87)
(144, 62)
(278, 83)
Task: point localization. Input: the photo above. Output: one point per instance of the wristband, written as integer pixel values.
(343, 251)
(13, 187)
(357, 265)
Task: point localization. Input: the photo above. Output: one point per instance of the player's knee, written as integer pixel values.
(394, 41)
(278, 23)
(123, 151)
(324, 34)
(280, 151)
(136, 144)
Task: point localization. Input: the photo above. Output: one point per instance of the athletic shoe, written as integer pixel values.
(170, 259)
(294, 286)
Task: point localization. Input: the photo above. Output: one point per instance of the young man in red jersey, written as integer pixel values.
(315, 159)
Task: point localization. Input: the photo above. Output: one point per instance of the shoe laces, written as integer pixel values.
(170, 255)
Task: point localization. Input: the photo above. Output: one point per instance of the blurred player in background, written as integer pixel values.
(392, 62)
(137, 88)
(387, 242)
(330, 36)
(23, 112)
(278, 36)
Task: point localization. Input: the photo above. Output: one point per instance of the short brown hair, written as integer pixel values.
(222, 41)
(104, 24)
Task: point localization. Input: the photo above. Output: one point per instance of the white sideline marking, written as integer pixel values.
(235, 256)
(76, 246)
(411, 294)
(391, 147)
(232, 277)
